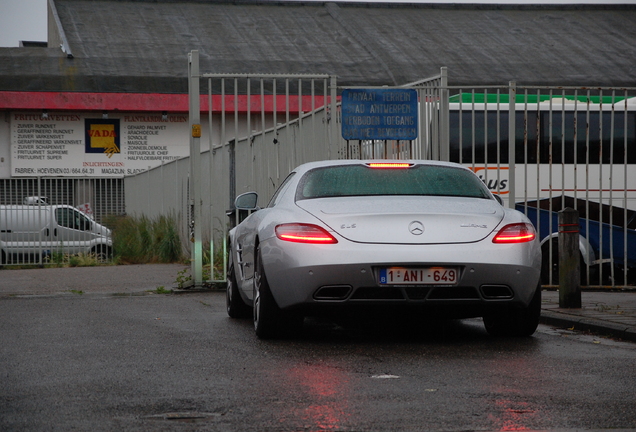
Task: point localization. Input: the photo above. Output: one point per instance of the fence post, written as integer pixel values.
(232, 169)
(332, 123)
(569, 262)
(512, 143)
(444, 128)
(196, 266)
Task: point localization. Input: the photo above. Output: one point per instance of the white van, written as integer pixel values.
(31, 233)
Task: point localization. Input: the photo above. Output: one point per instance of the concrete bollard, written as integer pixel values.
(569, 261)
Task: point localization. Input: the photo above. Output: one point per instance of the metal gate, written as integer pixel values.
(259, 128)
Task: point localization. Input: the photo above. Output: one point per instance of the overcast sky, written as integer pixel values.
(22, 20)
(25, 20)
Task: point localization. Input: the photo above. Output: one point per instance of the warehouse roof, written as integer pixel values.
(142, 46)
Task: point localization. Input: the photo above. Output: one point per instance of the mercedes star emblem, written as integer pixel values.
(416, 228)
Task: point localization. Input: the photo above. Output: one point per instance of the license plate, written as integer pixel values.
(419, 276)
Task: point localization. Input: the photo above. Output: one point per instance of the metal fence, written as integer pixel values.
(55, 219)
(541, 149)
(258, 129)
(544, 149)
(287, 122)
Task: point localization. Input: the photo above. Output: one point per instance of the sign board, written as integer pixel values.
(77, 144)
(379, 114)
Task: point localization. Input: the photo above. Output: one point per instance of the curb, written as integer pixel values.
(196, 290)
(623, 332)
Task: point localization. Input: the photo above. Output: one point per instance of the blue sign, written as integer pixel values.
(379, 114)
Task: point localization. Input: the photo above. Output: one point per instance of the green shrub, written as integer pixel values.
(126, 239)
(138, 240)
(167, 240)
(146, 229)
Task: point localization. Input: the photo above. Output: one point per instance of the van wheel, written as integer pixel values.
(103, 254)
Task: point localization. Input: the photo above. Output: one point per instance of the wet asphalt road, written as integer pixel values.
(177, 362)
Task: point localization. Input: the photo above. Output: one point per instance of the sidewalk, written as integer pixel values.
(123, 279)
(607, 312)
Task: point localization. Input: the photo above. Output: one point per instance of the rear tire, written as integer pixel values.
(236, 307)
(270, 322)
(518, 322)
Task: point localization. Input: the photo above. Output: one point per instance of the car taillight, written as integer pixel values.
(389, 165)
(304, 233)
(515, 233)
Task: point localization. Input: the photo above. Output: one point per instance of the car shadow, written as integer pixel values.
(391, 329)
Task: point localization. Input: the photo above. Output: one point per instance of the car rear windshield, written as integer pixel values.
(361, 180)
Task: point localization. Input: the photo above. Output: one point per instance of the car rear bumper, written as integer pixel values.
(315, 276)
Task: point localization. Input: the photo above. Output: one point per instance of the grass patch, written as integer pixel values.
(161, 290)
(141, 240)
(83, 260)
(213, 269)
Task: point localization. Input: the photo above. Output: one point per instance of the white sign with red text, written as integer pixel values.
(86, 145)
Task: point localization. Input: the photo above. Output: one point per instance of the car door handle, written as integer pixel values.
(55, 232)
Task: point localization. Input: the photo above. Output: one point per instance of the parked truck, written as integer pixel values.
(607, 239)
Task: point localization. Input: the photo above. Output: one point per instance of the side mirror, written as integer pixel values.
(246, 201)
(498, 198)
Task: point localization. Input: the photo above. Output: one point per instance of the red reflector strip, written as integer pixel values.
(569, 228)
(389, 165)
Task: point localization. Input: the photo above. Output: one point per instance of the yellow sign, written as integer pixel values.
(102, 136)
(196, 131)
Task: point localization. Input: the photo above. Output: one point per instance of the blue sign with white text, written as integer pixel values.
(379, 114)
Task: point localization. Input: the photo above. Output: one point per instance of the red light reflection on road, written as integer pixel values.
(510, 404)
(513, 416)
(322, 398)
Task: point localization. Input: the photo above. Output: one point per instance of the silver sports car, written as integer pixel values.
(424, 236)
